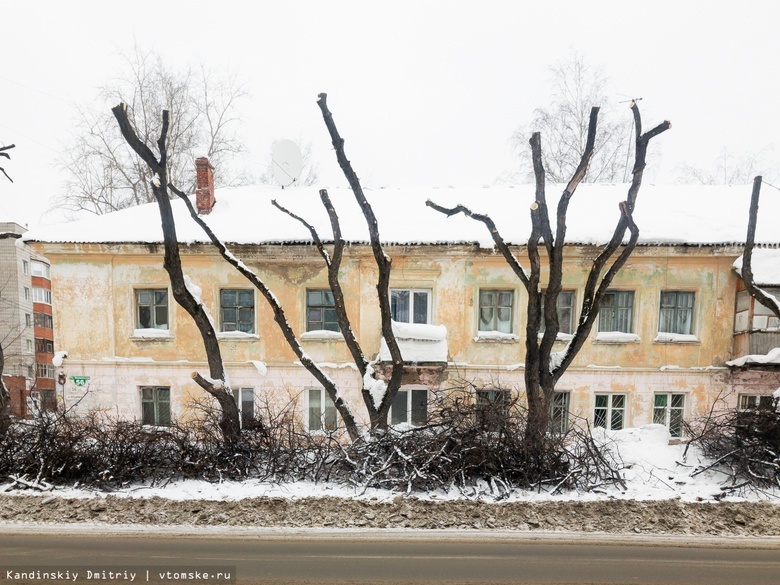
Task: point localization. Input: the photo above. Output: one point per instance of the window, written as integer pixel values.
(27, 319)
(43, 320)
(669, 410)
(755, 402)
(29, 346)
(237, 307)
(245, 401)
(676, 313)
(617, 312)
(40, 269)
(41, 295)
(44, 345)
(763, 317)
(565, 305)
(45, 371)
(321, 411)
(321, 311)
(495, 310)
(152, 309)
(559, 413)
(410, 305)
(610, 412)
(156, 406)
(410, 406)
(25, 267)
(26, 294)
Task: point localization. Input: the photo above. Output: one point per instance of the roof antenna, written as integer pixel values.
(630, 136)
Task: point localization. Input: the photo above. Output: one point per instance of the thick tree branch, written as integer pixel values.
(747, 256)
(383, 262)
(8, 156)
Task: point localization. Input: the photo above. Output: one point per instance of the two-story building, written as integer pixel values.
(658, 353)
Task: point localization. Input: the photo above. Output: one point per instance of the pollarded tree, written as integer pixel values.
(5, 395)
(756, 291)
(377, 394)
(216, 384)
(543, 367)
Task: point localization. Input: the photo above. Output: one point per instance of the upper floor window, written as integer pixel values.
(41, 295)
(151, 309)
(565, 306)
(676, 315)
(156, 406)
(26, 294)
(25, 267)
(410, 305)
(755, 402)
(410, 406)
(44, 345)
(43, 320)
(321, 411)
(27, 320)
(617, 312)
(46, 371)
(495, 310)
(237, 308)
(40, 269)
(321, 311)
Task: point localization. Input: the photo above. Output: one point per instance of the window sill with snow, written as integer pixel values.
(237, 336)
(495, 337)
(675, 338)
(151, 335)
(616, 337)
(322, 335)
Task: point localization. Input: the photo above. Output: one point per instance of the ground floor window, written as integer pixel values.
(610, 411)
(755, 402)
(669, 410)
(321, 411)
(559, 412)
(410, 406)
(245, 401)
(156, 406)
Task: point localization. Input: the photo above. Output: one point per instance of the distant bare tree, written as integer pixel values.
(104, 177)
(543, 366)
(4, 154)
(564, 123)
(728, 169)
(5, 395)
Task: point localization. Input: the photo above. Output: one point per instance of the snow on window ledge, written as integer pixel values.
(151, 334)
(495, 337)
(565, 337)
(322, 335)
(616, 337)
(675, 338)
(237, 335)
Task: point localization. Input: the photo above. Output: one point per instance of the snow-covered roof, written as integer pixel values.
(674, 214)
(765, 263)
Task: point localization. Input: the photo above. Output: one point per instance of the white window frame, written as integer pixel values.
(153, 306)
(25, 267)
(41, 295)
(609, 410)
(26, 293)
(412, 291)
(46, 371)
(41, 269)
(748, 402)
(156, 402)
(325, 404)
(239, 395)
(561, 402)
(662, 414)
(410, 392)
(496, 307)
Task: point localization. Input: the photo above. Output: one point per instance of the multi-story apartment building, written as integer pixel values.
(658, 354)
(26, 327)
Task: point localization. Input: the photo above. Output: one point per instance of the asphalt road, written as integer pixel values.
(371, 557)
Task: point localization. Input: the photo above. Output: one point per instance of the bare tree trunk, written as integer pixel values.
(543, 367)
(747, 256)
(5, 399)
(216, 385)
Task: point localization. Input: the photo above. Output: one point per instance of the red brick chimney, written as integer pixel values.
(204, 191)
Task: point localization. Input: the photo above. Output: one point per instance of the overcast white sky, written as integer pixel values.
(425, 93)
